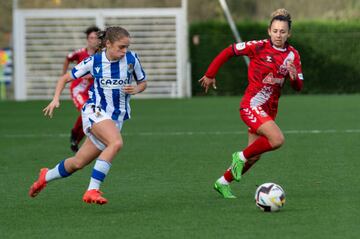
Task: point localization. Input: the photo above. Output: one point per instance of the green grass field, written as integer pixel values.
(160, 185)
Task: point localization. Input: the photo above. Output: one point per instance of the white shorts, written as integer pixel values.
(91, 115)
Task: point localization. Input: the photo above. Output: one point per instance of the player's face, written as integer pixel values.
(279, 33)
(92, 40)
(117, 49)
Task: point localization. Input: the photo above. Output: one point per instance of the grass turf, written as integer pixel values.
(160, 184)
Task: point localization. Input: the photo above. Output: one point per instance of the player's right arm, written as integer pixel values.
(236, 49)
(69, 58)
(83, 68)
(66, 65)
(55, 103)
(209, 78)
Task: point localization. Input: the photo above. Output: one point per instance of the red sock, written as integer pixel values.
(80, 135)
(228, 176)
(78, 130)
(261, 145)
(78, 124)
(247, 166)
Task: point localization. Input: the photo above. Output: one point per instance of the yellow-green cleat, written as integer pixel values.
(224, 190)
(236, 166)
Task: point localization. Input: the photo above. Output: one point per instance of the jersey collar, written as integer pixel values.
(278, 48)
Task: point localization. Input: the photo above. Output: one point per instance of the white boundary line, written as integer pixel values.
(190, 133)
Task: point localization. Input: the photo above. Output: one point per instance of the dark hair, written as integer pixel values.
(281, 14)
(90, 30)
(112, 34)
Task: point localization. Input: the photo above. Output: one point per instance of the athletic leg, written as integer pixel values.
(76, 134)
(228, 177)
(107, 132)
(251, 161)
(87, 153)
(270, 138)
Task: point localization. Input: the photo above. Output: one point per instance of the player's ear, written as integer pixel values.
(289, 34)
(108, 44)
(269, 31)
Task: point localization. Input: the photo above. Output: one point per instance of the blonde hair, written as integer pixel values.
(281, 14)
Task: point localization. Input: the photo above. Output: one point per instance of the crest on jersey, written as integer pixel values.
(130, 68)
(289, 58)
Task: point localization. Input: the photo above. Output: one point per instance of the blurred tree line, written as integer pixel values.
(199, 10)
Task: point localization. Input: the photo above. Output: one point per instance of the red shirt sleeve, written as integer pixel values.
(218, 61)
(73, 56)
(236, 49)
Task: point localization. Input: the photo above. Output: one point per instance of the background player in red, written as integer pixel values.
(271, 62)
(79, 88)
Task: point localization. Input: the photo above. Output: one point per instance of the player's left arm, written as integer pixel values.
(295, 73)
(135, 89)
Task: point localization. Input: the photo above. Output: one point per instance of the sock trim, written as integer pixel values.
(62, 170)
(242, 157)
(96, 174)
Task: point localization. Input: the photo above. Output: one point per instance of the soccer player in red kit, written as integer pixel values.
(79, 88)
(271, 62)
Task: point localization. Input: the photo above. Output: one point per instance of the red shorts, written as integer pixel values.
(79, 91)
(80, 99)
(254, 117)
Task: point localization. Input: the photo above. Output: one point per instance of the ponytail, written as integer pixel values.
(111, 34)
(102, 41)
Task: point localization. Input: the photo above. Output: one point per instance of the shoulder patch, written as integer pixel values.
(240, 46)
(87, 59)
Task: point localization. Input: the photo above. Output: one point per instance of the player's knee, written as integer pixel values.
(277, 141)
(117, 145)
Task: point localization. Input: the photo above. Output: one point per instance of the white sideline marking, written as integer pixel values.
(190, 133)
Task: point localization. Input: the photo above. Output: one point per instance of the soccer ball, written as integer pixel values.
(270, 197)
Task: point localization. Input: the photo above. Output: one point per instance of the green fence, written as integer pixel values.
(330, 55)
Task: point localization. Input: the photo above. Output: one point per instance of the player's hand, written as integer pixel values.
(130, 89)
(206, 82)
(48, 110)
(291, 69)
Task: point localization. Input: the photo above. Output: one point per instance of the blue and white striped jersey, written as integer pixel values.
(109, 78)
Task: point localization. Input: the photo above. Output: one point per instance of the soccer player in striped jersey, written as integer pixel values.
(79, 88)
(271, 62)
(113, 69)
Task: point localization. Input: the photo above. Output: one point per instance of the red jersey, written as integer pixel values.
(266, 73)
(79, 88)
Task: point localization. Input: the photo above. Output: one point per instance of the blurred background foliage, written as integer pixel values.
(326, 33)
(199, 10)
(330, 53)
